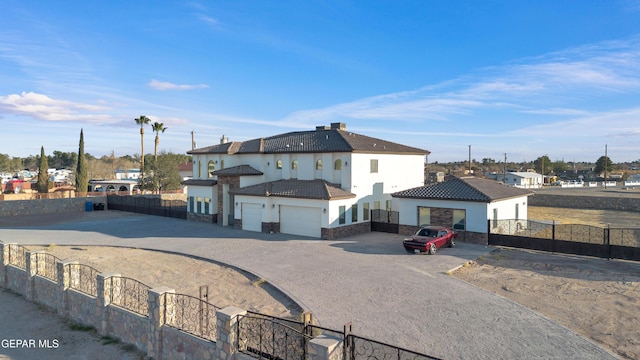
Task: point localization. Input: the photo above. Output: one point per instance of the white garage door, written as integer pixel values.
(300, 221)
(251, 217)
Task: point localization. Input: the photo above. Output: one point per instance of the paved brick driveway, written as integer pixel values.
(369, 280)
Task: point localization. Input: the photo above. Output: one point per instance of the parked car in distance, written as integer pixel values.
(430, 239)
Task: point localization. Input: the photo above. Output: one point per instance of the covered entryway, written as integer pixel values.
(298, 220)
(252, 217)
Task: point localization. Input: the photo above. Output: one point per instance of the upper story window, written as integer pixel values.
(199, 169)
(294, 165)
(279, 164)
(211, 167)
(337, 165)
(221, 164)
(319, 165)
(374, 165)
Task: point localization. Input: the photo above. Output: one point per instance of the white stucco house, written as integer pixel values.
(464, 204)
(524, 180)
(320, 183)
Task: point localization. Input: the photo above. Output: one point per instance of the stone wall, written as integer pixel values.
(585, 202)
(47, 206)
(344, 231)
(149, 334)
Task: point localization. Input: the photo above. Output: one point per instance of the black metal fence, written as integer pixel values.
(83, 278)
(577, 239)
(269, 337)
(130, 294)
(46, 266)
(192, 315)
(148, 205)
(385, 221)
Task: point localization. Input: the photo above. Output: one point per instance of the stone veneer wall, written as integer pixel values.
(128, 326)
(149, 334)
(270, 227)
(585, 202)
(344, 231)
(202, 218)
(47, 206)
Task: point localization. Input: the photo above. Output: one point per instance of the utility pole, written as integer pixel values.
(504, 170)
(469, 159)
(606, 164)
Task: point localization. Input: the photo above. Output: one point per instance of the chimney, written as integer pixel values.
(338, 126)
(224, 139)
(322, 127)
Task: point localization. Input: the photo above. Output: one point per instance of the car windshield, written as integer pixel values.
(427, 232)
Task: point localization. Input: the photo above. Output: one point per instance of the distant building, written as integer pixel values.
(127, 174)
(524, 180)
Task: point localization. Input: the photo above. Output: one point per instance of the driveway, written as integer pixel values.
(368, 280)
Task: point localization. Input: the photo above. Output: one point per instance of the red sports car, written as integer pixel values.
(430, 239)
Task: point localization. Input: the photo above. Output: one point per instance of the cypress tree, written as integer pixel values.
(82, 178)
(43, 177)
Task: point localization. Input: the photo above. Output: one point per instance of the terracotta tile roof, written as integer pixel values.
(196, 182)
(464, 189)
(238, 171)
(187, 166)
(293, 188)
(315, 141)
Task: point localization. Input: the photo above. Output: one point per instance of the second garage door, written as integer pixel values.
(300, 220)
(251, 217)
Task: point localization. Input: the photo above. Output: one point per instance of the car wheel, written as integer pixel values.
(432, 249)
(452, 243)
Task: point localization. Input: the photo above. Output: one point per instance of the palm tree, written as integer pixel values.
(142, 121)
(157, 128)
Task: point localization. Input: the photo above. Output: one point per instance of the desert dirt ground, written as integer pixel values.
(598, 299)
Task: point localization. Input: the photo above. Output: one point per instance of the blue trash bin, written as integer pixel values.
(89, 205)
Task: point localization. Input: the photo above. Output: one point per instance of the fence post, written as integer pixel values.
(227, 332)
(4, 261)
(553, 230)
(104, 297)
(608, 230)
(32, 267)
(158, 308)
(64, 281)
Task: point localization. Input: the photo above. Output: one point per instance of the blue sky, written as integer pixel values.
(526, 78)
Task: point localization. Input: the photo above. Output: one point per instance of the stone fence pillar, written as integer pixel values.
(104, 292)
(64, 281)
(4, 261)
(158, 308)
(325, 347)
(33, 266)
(227, 332)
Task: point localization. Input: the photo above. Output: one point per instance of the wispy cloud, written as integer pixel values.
(544, 85)
(45, 108)
(164, 86)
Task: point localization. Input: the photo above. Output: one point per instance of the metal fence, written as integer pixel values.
(385, 221)
(148, 205)
(46, 266)
(270, 337)
(130, 294)
(18, 256)
(83, 278)
(192, 315)
(578, 239)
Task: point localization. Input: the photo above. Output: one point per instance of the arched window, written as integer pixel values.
(221, 164)
(294, 165)
(319, 165)
(337, 165)
(211, 168)
(124, 189)
(279, 164)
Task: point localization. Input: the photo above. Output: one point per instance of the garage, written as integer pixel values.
(299, 220)
(252, 217)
